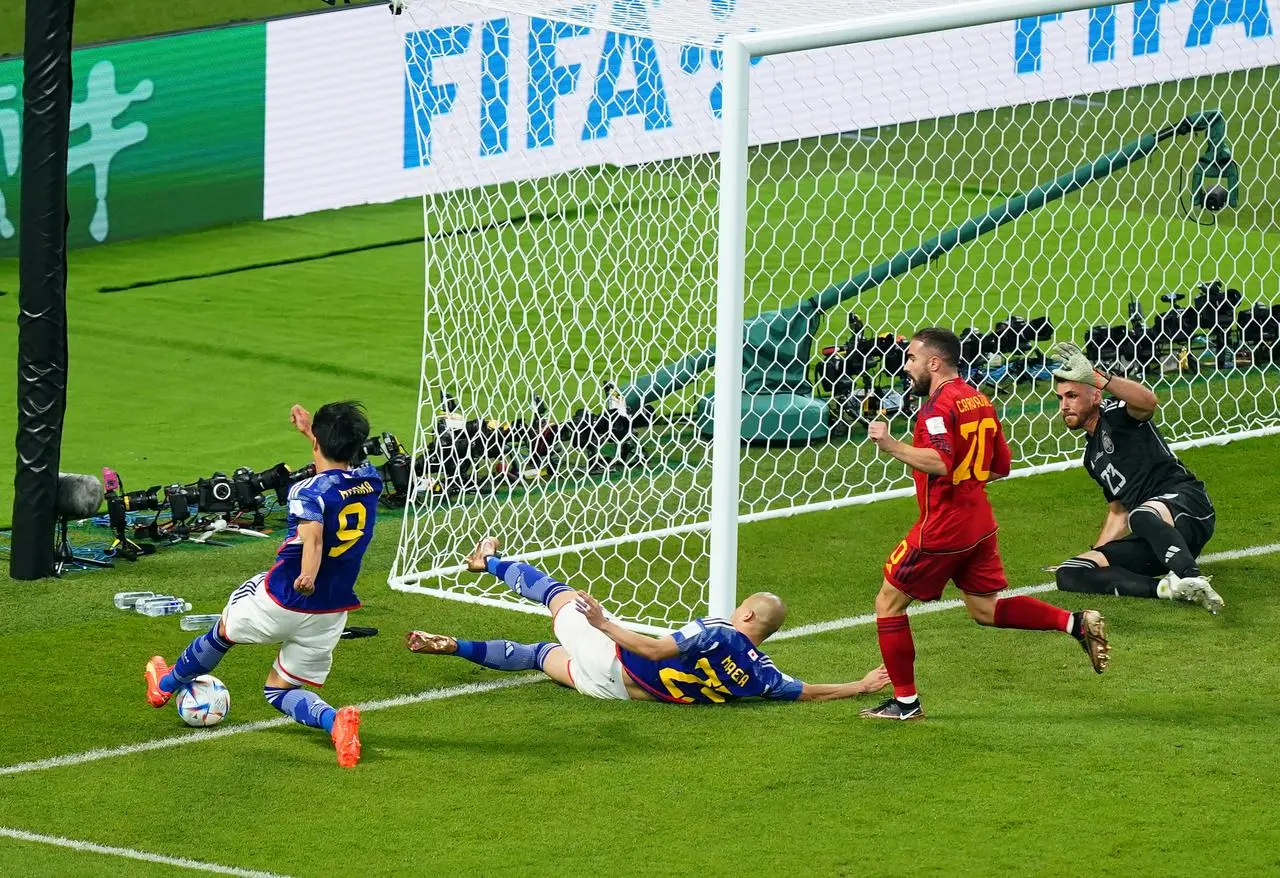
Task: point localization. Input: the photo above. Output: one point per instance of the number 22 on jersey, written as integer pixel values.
(711, 687)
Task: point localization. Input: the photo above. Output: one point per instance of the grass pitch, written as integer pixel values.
(1028, 760)
(1027, 755)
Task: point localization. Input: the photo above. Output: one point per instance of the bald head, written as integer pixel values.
(763, 613)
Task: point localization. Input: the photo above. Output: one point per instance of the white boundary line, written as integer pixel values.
(939, 606)
(869, 618)
(130, 853)
(197, 737)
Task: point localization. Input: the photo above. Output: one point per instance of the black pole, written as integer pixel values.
(42, 297)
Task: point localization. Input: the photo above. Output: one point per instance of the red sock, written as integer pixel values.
(899, 653)
(1030, 614)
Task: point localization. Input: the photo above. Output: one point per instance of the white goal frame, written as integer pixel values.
(739, 51)
(725, 517)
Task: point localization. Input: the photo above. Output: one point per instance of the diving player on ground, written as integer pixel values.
(708, 661)
(957, 447)
(1149, 493)
(301, 603)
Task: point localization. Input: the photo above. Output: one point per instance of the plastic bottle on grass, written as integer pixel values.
(125, 600)
(163, 605)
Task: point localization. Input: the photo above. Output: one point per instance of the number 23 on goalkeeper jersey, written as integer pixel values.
(346, 502)
(960, 424)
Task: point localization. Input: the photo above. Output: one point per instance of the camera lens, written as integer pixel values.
(1215, 198)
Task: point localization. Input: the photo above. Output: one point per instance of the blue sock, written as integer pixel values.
(526, 580)
(200, 657)
(503, 655)
(303, 705)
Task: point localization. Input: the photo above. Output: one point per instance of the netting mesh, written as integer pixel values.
(701, 23)
(570, 309)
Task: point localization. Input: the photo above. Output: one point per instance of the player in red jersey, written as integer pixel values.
(958, 447)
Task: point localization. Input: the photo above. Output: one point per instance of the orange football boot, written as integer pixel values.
(156, 669)
(346, 736)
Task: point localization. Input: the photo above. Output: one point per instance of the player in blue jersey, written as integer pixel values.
(708, 661)
(302, 602)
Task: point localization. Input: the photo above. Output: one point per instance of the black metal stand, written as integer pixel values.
(64, 558)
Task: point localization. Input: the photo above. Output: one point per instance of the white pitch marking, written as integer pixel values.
(130, 853)
(523, 679)
(938, 606)
(226, 731)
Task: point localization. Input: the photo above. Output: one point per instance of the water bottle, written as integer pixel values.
(198, 622)
(125, 600)
(164, 605)
(137, 605)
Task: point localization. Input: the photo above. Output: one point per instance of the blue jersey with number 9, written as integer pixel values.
(717, 663)
(346, 502)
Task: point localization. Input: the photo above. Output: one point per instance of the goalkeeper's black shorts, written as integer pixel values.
(1193, 517)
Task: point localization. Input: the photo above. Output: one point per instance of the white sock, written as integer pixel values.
(910, 699)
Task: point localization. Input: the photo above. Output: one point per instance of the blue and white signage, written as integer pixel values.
(367, 107)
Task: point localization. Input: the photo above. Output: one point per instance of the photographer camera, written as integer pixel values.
(591, 431)
(395, 471)
(853, 374)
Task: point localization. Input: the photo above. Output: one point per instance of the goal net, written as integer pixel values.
(1104, 176)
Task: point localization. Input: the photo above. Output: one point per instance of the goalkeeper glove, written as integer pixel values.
(1076, 366)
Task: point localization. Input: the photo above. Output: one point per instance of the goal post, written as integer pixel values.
(656, 188)
(730, 316)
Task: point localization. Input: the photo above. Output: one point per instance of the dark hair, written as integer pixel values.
(340, 429)
(943, 342)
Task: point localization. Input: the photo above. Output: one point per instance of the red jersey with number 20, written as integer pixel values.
(961, 425)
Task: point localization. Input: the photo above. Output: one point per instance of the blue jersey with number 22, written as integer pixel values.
(346, 502)
(716, 663)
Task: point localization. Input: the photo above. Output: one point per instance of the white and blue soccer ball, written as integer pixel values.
(205, 702)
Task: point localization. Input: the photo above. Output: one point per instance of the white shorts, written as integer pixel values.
(594, 667)
(307, 640)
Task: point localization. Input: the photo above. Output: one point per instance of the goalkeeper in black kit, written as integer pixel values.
(1159, 516)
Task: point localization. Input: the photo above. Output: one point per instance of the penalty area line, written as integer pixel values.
(130, 853)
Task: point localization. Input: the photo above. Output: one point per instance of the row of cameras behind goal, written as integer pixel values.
(451, 465)
(863, 377)
(195, 506)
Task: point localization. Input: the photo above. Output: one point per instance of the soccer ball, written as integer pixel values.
(205, 702)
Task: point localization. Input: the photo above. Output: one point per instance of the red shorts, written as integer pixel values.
(923, 575)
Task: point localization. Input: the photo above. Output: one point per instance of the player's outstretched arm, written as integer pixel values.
(927, 460)
(1140, 401)
(1115, 525)
(652, 648)
(312, 535)
(301, 419)
(872, 682)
